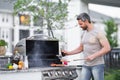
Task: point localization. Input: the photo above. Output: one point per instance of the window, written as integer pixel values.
(2, 19)
(24, 34)
(24, 20)
(38, 21)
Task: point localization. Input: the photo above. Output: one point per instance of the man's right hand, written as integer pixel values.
(64, 52)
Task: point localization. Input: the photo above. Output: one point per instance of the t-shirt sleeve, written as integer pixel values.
(101, 36)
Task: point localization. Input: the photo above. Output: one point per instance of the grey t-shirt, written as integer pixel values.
(91, 45)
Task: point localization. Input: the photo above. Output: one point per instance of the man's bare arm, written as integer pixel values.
(105, 48)
(75, 51)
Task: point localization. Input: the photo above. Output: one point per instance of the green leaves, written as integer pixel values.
(3, 43)
(112, 74)
(111, 31)
(21, 5)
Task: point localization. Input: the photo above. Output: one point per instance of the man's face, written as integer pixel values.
(82, 24)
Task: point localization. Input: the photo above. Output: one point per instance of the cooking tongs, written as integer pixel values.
(60, 57)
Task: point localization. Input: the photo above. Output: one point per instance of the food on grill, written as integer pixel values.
(56, 65)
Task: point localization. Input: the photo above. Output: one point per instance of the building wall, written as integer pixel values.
(6, 19)
(73, 32)
(6, 26)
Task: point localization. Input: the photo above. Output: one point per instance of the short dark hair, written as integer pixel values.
(83, 17)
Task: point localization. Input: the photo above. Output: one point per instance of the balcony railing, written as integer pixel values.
(112, 59)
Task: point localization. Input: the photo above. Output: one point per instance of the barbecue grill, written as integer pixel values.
(42, 51)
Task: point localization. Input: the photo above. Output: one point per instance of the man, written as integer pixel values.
(94, 45)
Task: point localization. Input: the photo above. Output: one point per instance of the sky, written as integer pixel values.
(107, 10)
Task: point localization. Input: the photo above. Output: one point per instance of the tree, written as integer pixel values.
(111, 32)
(54, 14)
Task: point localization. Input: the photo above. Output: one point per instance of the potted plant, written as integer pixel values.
(3, 43)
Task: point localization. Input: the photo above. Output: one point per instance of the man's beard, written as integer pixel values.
(85, 28)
